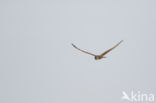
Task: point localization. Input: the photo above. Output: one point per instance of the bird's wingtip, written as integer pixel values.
(73, 45)
(121, 41)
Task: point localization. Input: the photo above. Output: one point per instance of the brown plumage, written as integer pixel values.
(97, 57)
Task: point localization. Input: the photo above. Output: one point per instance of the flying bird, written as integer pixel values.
(97, 57)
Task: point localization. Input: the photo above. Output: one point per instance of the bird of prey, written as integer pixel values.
(97, 57)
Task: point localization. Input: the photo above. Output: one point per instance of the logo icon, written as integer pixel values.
(125, 96)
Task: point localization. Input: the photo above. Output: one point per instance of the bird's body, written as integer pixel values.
(98, 57)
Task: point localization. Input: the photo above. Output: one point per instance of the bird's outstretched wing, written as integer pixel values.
(111, 49)
(83, 50)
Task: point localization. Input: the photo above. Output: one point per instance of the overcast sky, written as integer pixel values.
(39, 65)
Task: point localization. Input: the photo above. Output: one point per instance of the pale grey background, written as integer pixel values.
(39, 65)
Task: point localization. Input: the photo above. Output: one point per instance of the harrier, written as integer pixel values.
(97, 57)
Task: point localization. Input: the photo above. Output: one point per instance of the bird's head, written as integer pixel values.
(98, 57)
